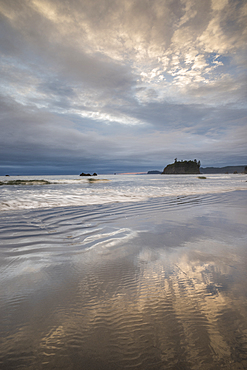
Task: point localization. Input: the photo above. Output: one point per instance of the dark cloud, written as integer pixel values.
(122, 83)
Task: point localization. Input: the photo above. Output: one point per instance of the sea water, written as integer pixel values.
(76, 190)
(131, 272)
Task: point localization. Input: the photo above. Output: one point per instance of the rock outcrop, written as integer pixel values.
(182, 167)
(88, 174)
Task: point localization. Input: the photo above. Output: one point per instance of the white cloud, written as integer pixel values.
(123, 64)
(219, 4)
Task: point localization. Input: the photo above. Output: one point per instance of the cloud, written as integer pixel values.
(123, 77)
(37, 138)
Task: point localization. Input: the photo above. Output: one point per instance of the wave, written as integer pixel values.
(59, 192)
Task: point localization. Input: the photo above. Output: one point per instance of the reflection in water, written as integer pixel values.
(144, 286)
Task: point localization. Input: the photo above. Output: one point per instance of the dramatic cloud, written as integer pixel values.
(112, 85)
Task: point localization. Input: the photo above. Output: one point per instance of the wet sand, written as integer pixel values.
(159, 284)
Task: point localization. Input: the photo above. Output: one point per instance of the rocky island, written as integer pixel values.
(88, 174)
(183, 167)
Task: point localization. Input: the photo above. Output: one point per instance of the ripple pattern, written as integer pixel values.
(148, 285)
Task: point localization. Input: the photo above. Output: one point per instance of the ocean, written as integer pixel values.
(123, 272)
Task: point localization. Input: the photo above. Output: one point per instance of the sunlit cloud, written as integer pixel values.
(105, 65)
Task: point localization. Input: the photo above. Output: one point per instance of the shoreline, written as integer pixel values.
(104, 199)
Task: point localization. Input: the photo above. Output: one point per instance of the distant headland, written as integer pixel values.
(154, 172)
(183, 167)
(226, 169)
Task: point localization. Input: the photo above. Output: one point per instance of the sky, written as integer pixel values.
(121, 85)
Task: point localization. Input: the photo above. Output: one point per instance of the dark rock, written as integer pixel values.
(85, 174)
(25, 182)
(182, 167)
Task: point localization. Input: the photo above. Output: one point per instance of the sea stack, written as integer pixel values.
(183, 167)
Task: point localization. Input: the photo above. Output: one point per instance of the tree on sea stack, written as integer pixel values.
(183, 167)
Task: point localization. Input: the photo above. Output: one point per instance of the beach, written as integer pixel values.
(134, 281)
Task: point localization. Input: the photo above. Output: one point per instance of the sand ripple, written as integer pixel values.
(149, 285)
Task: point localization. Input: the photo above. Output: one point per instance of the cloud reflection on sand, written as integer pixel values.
(161, 308)
(143, 286)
